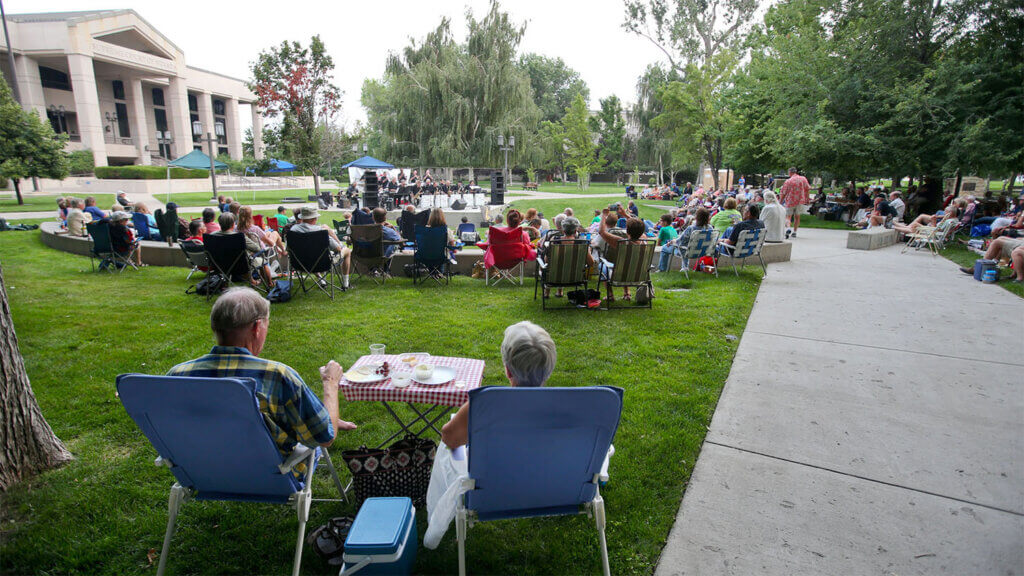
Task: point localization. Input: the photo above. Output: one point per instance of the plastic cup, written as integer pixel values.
(377, 349)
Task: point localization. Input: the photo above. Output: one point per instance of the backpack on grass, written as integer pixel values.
(281, 292)
(212, 284)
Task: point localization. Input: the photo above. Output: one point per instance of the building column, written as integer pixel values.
(180, 122)
(257, 132)
(87, 106)
(206, 117)
(233, 128)
(30, 87)
(140, 128)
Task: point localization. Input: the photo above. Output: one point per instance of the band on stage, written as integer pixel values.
(401, 190)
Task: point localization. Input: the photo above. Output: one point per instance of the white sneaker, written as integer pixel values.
(793, 234)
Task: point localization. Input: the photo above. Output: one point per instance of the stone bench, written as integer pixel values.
(770, 252)
(871, 239)
(153, 253)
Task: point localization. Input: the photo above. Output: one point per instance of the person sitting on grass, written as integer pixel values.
(750, 222)
(667, 240)
(210, 224)
(1011, 249)
(341, 255)
(122, 239)
(240, 320)
(634, 235)
(528, 355)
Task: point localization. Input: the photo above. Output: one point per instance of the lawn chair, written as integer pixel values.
(630, 265)
(341, 228)
(142, 229)
(168, 223)
(932, 237)
(506, 254)
(467, 233)
(748, 245)
(274, 224)
(195, 254)
(407, 226)
(310, 256)
(368, 251)
(102, 249)
(257, 219)
(701, 244)
(563, 266)
(226, 256)
(537, 452)
(431, 255)
(211, 434)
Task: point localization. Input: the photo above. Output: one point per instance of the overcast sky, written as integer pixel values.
(226, 36)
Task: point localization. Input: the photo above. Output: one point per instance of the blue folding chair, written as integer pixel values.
(537, 452)
(748, 245)
(701, 243)
(431, 255)
(211, 434)
(142, 229)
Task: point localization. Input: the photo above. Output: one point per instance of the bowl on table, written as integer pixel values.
(401, 379)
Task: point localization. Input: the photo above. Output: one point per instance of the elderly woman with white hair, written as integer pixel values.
(774, 217)
(528, 354)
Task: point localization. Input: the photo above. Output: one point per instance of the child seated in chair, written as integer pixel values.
(528, 354)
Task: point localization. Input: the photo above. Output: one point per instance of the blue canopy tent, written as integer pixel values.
(368, 163)
(194, 160)
(281, 166)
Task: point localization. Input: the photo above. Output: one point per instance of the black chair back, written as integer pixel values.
(310, 251)
(226, 254)
(100, 234)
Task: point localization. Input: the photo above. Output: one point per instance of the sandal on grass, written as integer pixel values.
(328, 541)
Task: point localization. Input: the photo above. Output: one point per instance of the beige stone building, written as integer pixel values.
(120, 88)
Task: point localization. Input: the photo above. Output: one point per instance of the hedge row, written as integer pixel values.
(147, 173)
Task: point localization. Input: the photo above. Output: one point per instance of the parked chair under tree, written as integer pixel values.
(211, 434)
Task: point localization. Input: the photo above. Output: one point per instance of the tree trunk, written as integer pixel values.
(1008, 186)
(472, 174)
(316, 182)
(17, 190)
(27, 443)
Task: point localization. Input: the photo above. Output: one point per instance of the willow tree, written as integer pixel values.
(27, 443)
(442, 103)
(696, 36)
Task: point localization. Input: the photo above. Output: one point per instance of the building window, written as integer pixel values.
(222, 151)
(193, 103)
(58, 120)
(54, 79)
(122, 120)
(158, 97)
(218, 107)
(118, 89)
(161, 126)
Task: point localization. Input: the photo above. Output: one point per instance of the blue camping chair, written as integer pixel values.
(748, 245)
(431, 255)
(467, 233)
(537, 452)
(211, 434)
(701, 243)
(142, 229)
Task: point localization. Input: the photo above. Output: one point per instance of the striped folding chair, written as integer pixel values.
(701, 244)
(748, 245)
(630, 267)
(564, 266)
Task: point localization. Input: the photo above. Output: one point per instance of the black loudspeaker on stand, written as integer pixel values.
(498, 187)
(370, 199)
(459, 205)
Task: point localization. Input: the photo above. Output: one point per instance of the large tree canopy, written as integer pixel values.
(554, 85)
(28, 146)
(443, 103)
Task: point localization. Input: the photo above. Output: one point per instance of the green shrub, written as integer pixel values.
(147, 173)
(81, 162)
(3, 183)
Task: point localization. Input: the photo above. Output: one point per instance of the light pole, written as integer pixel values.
(112, 120)
(62, 123)
(15, 91)
(197, 130)
(506, 150)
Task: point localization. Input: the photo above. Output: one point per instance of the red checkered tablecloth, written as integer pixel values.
(467, 370)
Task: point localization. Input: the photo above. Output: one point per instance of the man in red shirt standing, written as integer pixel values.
(795, 198)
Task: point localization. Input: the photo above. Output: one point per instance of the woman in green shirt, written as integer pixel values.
(726, 217)
(666, 239)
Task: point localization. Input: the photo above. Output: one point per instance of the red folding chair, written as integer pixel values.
(506, 253)
(258, 219)
(274, 224)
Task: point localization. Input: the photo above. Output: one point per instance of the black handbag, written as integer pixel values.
(402, 469)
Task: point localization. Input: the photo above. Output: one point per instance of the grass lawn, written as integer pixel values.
(41, 203)
(959, 253)
(103, 512)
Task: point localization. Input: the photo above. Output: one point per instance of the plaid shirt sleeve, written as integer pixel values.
(311, 424)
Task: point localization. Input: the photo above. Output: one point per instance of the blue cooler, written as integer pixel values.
(382, 539)
(982, 265)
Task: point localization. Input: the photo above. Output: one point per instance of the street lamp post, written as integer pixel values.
(62, 123)
(506, 150)
(197, 130)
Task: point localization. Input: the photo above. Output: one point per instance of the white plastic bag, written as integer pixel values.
(446, 487)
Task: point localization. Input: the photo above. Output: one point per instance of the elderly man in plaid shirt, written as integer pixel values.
(240, 319)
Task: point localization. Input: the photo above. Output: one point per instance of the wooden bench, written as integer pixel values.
(530, 186)
(871, 239)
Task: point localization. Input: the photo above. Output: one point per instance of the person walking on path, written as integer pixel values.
(795, 197)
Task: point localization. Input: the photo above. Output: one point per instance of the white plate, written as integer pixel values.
(355, 377)
(441, 375)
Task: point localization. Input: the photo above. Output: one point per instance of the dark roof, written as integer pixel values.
(62, 16)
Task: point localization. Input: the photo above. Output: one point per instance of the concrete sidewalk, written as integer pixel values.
(872, 423)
